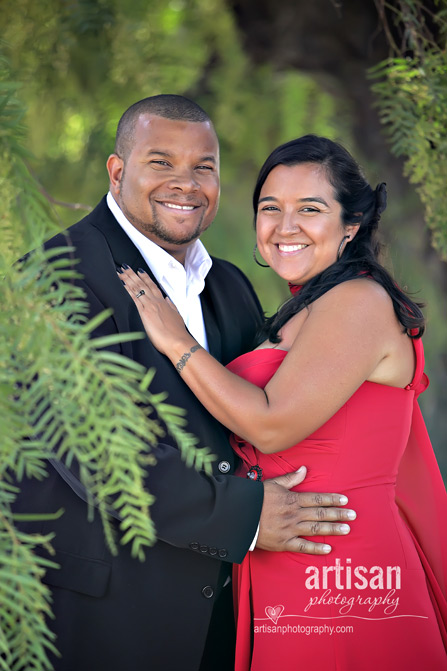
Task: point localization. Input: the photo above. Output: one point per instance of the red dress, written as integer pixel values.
(377, 601)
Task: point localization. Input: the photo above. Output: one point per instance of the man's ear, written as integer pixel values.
(115, 167)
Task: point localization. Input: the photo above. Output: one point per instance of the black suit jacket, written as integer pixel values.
(116, 613)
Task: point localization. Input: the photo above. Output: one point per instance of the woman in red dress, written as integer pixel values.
(332, 384)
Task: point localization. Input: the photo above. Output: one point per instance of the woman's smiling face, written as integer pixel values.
(299, 227)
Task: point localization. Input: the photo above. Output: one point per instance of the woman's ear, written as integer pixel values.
(352, 230)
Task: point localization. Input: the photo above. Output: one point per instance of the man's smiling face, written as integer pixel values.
(168, 185)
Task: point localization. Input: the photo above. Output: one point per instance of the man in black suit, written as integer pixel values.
(116, 613)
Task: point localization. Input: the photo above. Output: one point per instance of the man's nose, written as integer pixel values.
(185, 181)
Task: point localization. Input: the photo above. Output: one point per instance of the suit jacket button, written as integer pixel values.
(208, 592)
(194, 546)
(223, 553)
(203, 548)
(212, 551)
(224, 466)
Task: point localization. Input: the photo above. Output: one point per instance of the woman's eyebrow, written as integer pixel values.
(313, 199)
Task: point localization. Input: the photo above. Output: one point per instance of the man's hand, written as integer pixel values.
(286, 516)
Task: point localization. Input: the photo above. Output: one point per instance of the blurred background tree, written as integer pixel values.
(266, 71)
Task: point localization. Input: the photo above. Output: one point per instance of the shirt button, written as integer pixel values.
(208, 592)
(222, 553)
(224, 466)
(194, 546)
(203, 548)
(212, 551)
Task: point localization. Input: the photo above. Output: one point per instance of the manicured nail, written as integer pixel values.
(125, 266)
(119, 271)
(123, 282)
(326, 548)
(343, 500)
(345, 528)
(140, 270)
(351, 514)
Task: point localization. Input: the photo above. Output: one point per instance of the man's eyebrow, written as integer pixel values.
(209, 159)
(312, 199)
(160, 152)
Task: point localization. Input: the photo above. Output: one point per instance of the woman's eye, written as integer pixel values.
(310, 209)
(270, 208)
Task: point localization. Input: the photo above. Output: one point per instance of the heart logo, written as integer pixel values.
(274, 612)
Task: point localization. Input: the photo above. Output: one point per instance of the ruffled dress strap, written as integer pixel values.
(422, 499)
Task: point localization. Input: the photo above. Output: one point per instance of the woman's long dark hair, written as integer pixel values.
(360, 204)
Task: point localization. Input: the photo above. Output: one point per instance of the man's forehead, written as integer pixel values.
(152, 127)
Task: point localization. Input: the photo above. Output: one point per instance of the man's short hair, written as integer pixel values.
(168, 106)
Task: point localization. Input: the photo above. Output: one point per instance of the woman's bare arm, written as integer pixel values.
(338, 347)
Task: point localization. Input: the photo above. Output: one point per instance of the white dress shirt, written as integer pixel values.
(183, 284)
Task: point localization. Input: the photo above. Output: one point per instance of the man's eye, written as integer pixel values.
(160, 162)
(205, 167)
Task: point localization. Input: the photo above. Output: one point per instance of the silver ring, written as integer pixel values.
(140, 293)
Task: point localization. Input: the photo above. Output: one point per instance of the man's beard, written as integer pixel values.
(157, 228)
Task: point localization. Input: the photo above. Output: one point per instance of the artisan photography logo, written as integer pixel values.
(373, 588)
(338, 592)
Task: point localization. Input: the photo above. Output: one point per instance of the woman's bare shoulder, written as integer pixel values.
(363, 294)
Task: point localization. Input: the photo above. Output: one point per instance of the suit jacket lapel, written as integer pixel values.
(124, 251)
(121, 246)
(212, 328)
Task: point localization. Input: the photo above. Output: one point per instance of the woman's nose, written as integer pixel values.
(288, 223)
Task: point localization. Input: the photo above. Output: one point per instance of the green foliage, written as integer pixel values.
(18, 192)
(24, 636)
(412, 100)
(62, 396)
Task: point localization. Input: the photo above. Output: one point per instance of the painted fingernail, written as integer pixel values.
(345, 528)
(119, 271)
(140, 270)
(125, 266)
(123, 282)
(326, 548)
(351, 514)
(343, 500)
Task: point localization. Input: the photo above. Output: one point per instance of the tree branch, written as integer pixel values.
(54, 201)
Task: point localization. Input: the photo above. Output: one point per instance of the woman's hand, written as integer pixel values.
(161, 319)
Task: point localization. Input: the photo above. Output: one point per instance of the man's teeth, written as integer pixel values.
(291, 248)
(179, 207)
